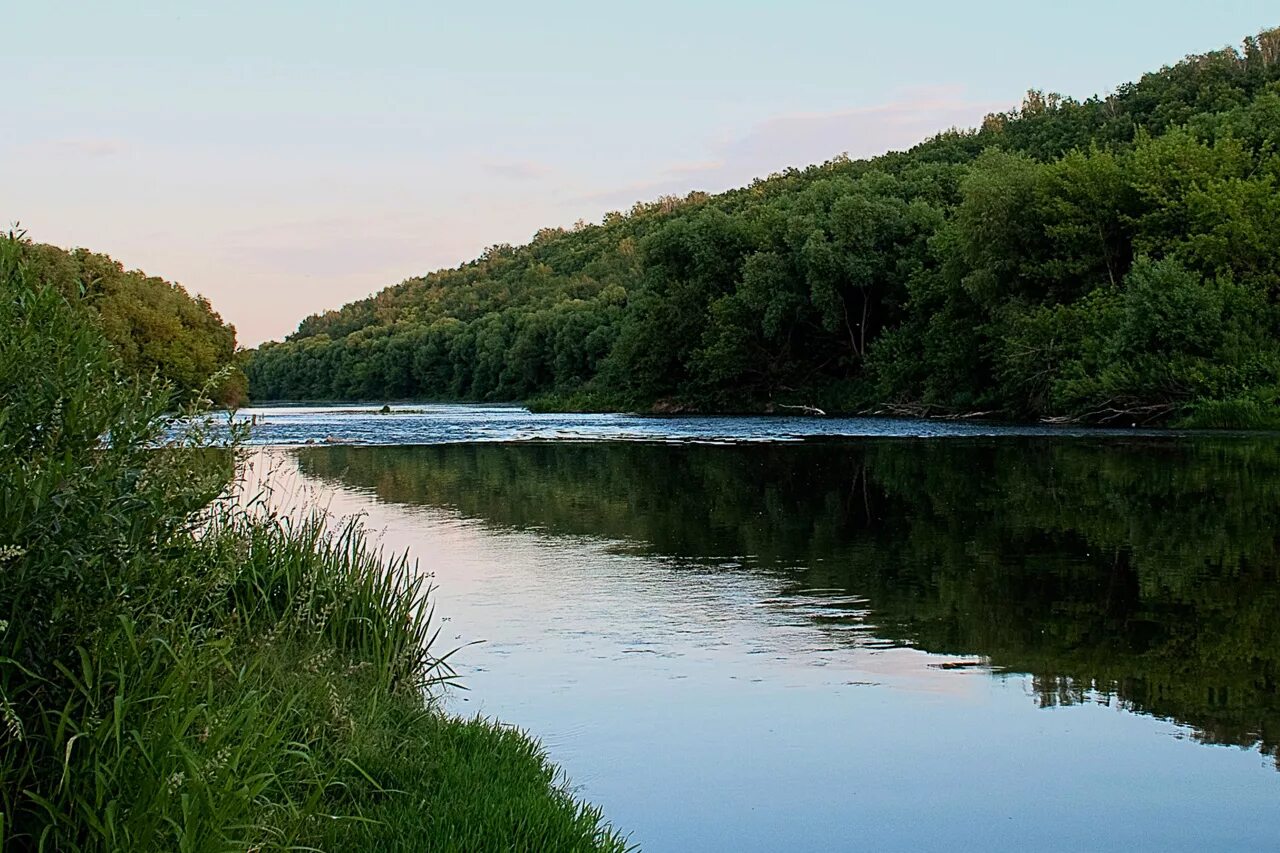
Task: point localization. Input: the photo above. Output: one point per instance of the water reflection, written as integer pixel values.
(1142, 573)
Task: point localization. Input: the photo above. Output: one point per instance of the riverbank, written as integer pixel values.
(1208, 414)
(1209, 417)
(181, 669)
(844, 401)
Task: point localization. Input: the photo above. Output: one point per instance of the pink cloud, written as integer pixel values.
(521, 170)
(802, 139)
(89, 146)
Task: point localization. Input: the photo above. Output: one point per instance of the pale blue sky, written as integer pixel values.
(283, 158)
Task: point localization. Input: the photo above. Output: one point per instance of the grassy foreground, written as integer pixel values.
(181, 673)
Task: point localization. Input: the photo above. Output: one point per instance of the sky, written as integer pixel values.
(283, 158)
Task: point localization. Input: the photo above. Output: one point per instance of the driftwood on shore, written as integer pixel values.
(918, 410)
(808, 410)
(1136, 415)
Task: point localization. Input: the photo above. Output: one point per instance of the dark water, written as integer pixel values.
(1016, 643)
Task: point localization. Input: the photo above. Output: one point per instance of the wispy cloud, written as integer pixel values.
(696, 168)
(89, 146)
(517, 170)
(802, 139)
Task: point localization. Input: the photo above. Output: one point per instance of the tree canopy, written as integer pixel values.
(153, 326)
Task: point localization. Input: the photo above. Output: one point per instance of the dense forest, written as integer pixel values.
(1111, 260)
(154, 327)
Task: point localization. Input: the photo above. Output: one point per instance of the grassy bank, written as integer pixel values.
(180, 672)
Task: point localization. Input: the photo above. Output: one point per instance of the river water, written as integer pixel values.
(822, 634)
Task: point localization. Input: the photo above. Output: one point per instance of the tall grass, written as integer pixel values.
(181, 672)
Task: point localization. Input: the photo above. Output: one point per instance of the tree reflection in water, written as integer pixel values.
(1144, 573)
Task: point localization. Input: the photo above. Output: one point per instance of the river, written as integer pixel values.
(823, 634)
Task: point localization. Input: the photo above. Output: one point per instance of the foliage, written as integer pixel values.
(154, 326)
(180, 670)
(983, 270)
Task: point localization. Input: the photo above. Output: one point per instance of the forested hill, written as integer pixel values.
(1111, 260)
(153, 326)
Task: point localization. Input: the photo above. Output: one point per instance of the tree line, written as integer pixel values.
(1113, 260)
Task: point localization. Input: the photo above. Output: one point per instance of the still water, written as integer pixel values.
(965, 641)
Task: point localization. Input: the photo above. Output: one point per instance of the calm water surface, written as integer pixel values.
(978, 641)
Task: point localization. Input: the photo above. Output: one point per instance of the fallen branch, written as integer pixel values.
(1136, 415)
(808, 410)
(922, 411)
